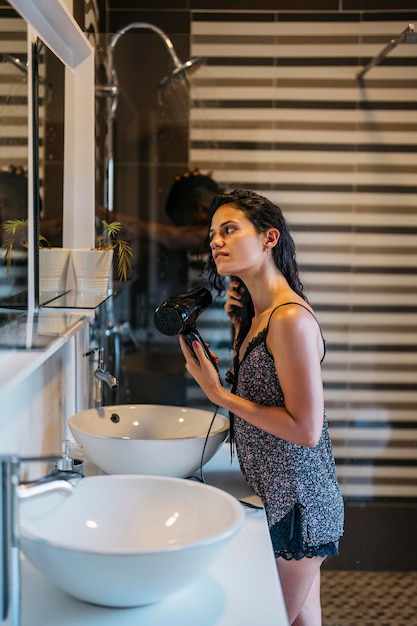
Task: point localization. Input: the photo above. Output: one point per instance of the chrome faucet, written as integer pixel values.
(101, 376)
(10, 492)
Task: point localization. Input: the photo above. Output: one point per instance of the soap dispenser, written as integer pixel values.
(66, 466)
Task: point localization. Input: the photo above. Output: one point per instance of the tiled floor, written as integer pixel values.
(369, 598)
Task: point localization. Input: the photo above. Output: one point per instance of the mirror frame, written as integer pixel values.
(34, 108)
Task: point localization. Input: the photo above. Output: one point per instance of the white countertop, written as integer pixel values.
(240, 588)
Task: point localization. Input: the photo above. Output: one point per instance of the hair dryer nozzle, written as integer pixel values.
(178, 314)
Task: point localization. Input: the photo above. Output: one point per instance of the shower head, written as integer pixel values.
(410, 35)
(182, 71)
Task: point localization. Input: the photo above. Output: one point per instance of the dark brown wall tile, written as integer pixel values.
(265, 5)
(122, 5)
(169, 21)
(377, 5)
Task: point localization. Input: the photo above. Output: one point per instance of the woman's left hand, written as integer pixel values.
(201, 369)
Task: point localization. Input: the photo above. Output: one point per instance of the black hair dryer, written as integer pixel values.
(178, 315)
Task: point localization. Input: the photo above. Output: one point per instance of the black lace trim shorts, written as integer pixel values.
(287, 539)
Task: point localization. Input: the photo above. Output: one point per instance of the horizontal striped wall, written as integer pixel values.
(278, 108)
(13, 94)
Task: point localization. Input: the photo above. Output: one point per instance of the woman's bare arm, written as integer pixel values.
(293, 342)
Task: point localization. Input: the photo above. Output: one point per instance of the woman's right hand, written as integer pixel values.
(233, 304)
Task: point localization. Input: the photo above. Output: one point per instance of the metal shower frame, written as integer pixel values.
(111, 91)
(106, 330)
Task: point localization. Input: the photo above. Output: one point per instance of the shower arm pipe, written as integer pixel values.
(20, 65)
(390, 46)
(16, 61)
(139, 26)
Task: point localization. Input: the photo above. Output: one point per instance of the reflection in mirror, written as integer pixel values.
(13, 154)
(51, 143)
(50, 181)
(48, 116)
(22, 331)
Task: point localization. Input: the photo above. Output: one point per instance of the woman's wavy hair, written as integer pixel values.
(263, 214)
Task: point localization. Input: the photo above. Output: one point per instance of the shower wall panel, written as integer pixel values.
(279, 109)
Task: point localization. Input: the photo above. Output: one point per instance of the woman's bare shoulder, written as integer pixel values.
(291, 319)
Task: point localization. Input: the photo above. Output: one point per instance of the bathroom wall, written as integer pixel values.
(279, 108)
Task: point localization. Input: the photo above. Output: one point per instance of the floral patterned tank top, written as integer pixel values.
(281, 473)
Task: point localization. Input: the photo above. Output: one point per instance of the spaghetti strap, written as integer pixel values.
(312, 314)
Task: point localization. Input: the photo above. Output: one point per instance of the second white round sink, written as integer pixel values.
(149, 438)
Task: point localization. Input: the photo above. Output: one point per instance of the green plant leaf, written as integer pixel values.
(123, 250)
(124, 259)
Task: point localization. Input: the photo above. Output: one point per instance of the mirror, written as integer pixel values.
(55, 25)
(48, 78)
(13, 153)
(49, 106)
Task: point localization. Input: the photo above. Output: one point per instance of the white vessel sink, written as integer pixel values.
(124, 541)
(149, 438)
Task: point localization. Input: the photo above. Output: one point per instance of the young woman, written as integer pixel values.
(279, 422)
